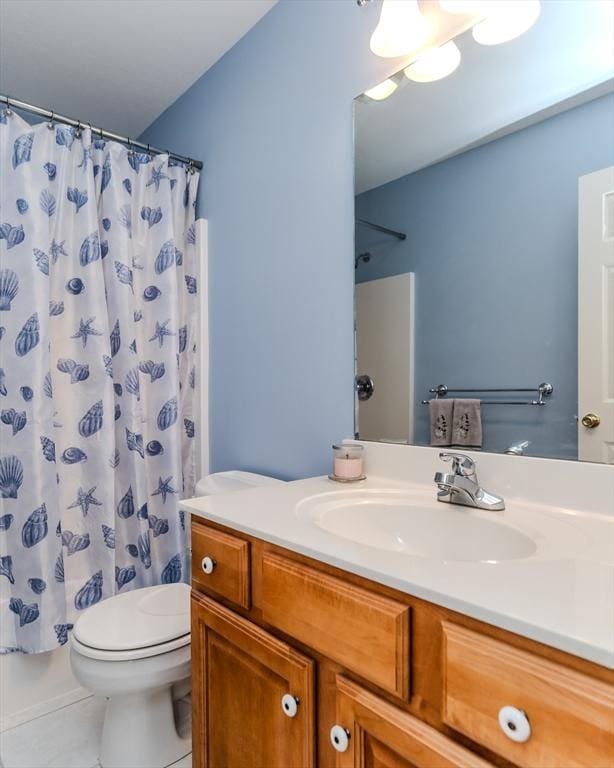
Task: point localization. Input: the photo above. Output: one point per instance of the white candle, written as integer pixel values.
(347, 463)
(348, 468)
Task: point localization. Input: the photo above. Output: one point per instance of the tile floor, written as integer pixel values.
(69, 737)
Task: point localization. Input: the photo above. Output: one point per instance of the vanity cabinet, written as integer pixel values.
(252, 694)
(298, 664)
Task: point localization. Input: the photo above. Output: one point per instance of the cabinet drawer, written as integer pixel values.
(382, 735)
(571, 715)
(229, 558)
(364, 632)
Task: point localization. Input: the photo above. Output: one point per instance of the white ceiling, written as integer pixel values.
(115, 63)
(568, 51)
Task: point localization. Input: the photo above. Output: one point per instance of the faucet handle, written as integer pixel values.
(461, 464)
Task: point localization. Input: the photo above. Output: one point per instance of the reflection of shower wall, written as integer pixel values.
(492, 239)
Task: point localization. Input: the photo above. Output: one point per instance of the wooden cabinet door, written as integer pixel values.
(240, 673)
(384, 736)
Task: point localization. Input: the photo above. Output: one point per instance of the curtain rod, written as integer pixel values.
(10, 103)
(385, 230)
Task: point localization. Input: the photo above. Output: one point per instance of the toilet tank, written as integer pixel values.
(235, 480)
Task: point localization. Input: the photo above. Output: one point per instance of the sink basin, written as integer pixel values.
(410, 523)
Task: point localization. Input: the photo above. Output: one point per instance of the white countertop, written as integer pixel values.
(561, 595)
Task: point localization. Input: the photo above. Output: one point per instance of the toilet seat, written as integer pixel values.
(139, 624)
(129, 655)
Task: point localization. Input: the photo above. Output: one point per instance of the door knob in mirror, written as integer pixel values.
(590, 420)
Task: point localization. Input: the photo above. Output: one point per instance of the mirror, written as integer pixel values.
(484, 261)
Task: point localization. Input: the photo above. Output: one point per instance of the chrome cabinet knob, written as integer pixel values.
(208, 564)
(339, 738)
(289, 704)
(590, 420)
(514, 724)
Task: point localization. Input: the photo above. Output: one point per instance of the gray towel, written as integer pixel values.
(441, 421)
(467, 423)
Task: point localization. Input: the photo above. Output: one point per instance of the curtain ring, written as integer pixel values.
(50, 124)
(149, 152)
(130, 153)
(8, 110)
(78, 129)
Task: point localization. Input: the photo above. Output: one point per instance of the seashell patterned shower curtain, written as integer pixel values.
(98, 321)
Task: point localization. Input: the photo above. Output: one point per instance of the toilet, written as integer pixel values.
(133, 648)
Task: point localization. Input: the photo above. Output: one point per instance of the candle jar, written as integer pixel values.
(347, 463)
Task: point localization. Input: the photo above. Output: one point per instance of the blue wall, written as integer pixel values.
(272, 121)
(492, 237)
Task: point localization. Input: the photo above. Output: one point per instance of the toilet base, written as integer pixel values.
(139, 731)
(139, 728)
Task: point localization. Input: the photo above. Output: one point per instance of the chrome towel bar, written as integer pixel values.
(542, 391)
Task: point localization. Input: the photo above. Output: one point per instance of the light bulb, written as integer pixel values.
(507, 20)
(469, 7)
(382, 91)
(434, 63)
(400, 30)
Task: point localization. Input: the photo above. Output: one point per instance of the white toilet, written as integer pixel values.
(133, 648)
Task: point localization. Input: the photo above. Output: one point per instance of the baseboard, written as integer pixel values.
(43, 708)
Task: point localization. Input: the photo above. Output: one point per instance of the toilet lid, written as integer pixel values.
(142, 618)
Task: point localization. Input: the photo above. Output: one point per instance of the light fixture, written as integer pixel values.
(400, 30)
(469, 7)
(382, 91)
(507, 20)
(434, 63)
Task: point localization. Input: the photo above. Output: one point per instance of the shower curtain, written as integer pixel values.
(98, 322)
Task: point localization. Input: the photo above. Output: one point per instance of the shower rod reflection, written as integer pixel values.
(12, 103)
(379, 228)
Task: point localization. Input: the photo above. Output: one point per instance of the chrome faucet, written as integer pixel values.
(461, 485)
(518, 449)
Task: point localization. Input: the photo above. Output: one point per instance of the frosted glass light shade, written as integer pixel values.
(509, 19)
(434, 63)
(469, 7)
(382, 91)
(400, 30)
